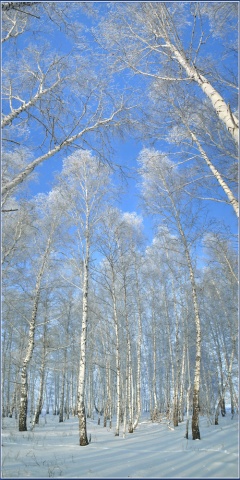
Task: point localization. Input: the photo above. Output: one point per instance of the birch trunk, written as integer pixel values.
(181, 407)
(42, 377)
(109, 395)
(64, 383)
(125, 401)
(154, 379)
(222, 393)
(178, 370)
(30, 347)
(56, 393)
(62, 396)
(139, 344)
(116, 325)
(83, 440)
(128, 366)
(221, 108)
(232, 200)
(173, 383)
(188, 393)
(8, 119)
(130, 390)
(117, 362)
(7, 187)
(223, 184)
(197, 370)
(196, 384)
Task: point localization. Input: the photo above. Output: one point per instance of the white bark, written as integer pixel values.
(31, 337)
(128, 399)
(117, 355)
(8, 119)
(221, 108)
(178, 370)
(182, 381)
(83, 440)
(42, 375)
(154, 379)
(139, 344)
(109, 394)
(68, 141)
(232, 200)
(197, 371)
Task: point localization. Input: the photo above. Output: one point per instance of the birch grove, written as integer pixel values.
(119, 215)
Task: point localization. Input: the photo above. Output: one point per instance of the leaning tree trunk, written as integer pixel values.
(222, 110)
(20, 177)
(42, 375)
(222, 182)
(232, 200)
(30, 347)
(83, 440)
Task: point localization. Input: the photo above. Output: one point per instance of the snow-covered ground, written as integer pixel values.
(152, 451)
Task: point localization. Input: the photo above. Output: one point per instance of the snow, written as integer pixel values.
(152, 451)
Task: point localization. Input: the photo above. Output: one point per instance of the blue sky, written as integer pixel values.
(127, 151)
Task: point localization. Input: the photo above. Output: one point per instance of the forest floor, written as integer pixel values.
(152, 451)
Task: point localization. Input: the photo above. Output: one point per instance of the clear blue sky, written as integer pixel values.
(126, 152)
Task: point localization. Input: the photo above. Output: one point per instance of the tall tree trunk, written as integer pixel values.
(128, 366)
(172, 406)
(188, 392)
(178, 369)
(223, 184)
(154, 414)
(125, 401)
(117, 356)
(64, 376)
(83, 440)
(183, 371)
(222, 110)
(232, 200)
(30, 347)
(61, 406)
(109, 394)
(42, 375)
(139, 346)
(197, 371)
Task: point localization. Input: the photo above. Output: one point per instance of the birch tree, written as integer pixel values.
(204, 142)
(148, 39)
(39, 405)
(41, 85)
(83, 183)
(220, 301)
(160, 182)
(109, 246)
(43, 263)
(130, 239)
